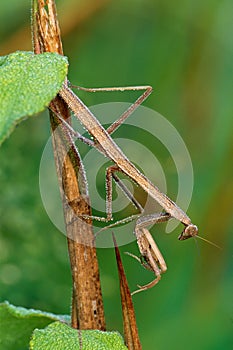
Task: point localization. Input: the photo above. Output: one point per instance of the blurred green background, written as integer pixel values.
(184, 50)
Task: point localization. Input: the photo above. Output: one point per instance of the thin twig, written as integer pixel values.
(131, 335)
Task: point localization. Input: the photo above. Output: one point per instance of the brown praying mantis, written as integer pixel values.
(103, 142)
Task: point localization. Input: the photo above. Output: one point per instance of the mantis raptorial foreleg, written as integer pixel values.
(151, 258)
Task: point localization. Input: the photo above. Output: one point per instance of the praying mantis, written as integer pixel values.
(102, 141)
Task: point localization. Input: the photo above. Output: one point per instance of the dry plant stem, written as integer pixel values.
(87, 304)
(129, 320)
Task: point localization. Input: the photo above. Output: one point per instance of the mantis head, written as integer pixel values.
(189, 231)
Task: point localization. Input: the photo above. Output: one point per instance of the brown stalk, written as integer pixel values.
(87, 303)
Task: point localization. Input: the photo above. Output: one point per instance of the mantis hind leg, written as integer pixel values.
(148, 90)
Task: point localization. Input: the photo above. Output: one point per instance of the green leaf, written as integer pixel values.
(18, 323)
(28, 82)
(60, 336)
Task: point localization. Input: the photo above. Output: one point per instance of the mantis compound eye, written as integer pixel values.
(189, 231)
